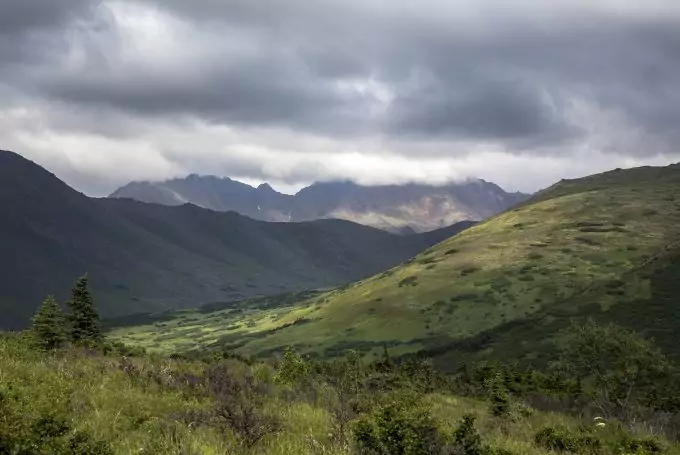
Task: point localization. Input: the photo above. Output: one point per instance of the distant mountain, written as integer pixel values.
(147, 257)
(396, 208)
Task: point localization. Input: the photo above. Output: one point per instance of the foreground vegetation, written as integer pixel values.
(64, 389)
(114, 400)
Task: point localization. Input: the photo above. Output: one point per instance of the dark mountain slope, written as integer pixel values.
(145, 257)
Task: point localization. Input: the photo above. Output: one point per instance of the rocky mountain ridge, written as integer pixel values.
(395, 208)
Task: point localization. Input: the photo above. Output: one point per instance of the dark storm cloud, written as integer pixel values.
(483, 109)
(268, 91)
(18, 17)
(360, 68)
(35, 33)
(511, 76)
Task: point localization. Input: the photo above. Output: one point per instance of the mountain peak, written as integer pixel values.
(8, 158)
(19, 174)
(204, 178)
(397, 208)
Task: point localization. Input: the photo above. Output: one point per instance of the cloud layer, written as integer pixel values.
(290, 91)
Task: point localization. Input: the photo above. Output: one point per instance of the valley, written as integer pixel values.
(548, 328)
(147, 257)
(339, 227)
(589, 247)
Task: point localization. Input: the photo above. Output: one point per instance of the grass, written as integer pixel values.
(136, 416)
(139, 405)
(541, 258)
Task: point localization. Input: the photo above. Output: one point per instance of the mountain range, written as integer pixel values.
(145, 257)
(396, 208)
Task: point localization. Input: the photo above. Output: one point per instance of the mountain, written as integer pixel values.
(143, 257)
(396, 208)
(605, 247)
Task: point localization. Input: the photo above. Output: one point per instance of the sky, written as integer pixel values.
(518, 92)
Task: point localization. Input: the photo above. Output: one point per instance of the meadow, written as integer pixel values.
(80, 400)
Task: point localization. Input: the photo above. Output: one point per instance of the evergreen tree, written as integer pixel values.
(49, 324)
(84, 318)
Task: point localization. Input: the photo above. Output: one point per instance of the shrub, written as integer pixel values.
(118, 348)
(400, 426)
(565, 441)
(498, 451)
(409, 281)
(22, 433)
(466, 438)
(624, 367)
(427, 261)
(588, 241)
(236, 405)
(468, 271)
(500, 400)
(292, 369)
(640, 446)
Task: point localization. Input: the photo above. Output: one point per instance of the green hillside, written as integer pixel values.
(145, 257)
(593, 246)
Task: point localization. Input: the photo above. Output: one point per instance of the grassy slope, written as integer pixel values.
(576, 248)
(144, 257)
(142, 416)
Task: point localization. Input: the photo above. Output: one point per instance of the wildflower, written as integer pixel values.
(599, 422)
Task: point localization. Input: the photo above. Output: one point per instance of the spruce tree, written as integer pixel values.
(49, 325)
(84, 318)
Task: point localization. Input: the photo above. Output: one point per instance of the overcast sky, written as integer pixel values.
(521, 92)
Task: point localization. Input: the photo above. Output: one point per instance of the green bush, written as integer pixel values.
(292, 369)
(409, 281)
(500, 401)
(640, 446)
(399, 426)
(466, 439)
(566, 441)
(24, 434)
(468, 271)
